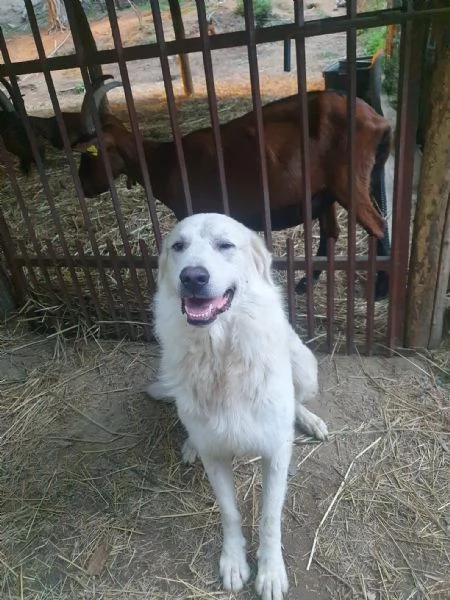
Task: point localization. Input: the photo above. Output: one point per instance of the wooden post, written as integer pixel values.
(178, 28)
(430, 253)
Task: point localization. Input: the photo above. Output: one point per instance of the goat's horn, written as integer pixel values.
(97, 82)
(6, 102)
(7, 86)
(86, 116)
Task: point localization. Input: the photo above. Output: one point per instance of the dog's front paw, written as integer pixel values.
(311, 423)
(271, 582)
(234, 569)
(188, 452)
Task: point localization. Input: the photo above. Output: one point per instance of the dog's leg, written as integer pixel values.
(158, 390)
(304, 375)
(271, 581)
(310, 423)
(233, 563)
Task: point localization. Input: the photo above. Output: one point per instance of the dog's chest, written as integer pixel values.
(237, 403)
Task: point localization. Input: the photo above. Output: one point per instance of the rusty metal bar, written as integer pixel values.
(107, 164)
(176, 132)
(411, 47)
(276, 33)
(66, 143)
(15, 272)
(290, 254)
(151, 285)
(24, 210)
(279, 262)
(27, 264)
(330, 292)
(34, 145)
(141, 156)
(62, 284)
(119, 280)
(90, 283)
(370, 290)
(351, 223)
(131, 107)
(304, 160)
(257, 110)
(212, 102)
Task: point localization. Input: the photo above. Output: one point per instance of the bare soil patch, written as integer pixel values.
(95, 502)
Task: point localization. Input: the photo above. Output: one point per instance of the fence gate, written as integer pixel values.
(81, 261)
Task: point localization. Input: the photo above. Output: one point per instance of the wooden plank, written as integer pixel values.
(430, 255)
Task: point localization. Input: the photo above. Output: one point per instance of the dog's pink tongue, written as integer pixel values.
(203, 308)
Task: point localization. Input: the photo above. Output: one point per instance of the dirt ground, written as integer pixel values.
(229, 65)
(95, 502)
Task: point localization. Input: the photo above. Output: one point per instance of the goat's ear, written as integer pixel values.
(261, 257)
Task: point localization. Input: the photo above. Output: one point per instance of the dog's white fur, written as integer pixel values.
(239, 382)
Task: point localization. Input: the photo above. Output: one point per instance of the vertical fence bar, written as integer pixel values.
(212, 102)
(351, 107)
(370, 290)
(62, 284)
(411, 47)
(176, 132)
(26, 217)
(16, 272)
(330, 293)
(66, 143)
(304, 160)
(257, 109)
(119, 282)
(141, 156)
(107, 164)
(291, 280)
(31, 273)
(34, 145)
(90, 283)
(131, 107)
(151, 285)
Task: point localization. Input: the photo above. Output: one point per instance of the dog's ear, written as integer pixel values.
(261, 257)
(162, 261)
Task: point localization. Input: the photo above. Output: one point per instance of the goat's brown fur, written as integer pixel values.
(328, 132)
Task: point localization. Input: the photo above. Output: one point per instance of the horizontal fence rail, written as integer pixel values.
(91, 263)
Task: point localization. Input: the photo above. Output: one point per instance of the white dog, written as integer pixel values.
(238, 373)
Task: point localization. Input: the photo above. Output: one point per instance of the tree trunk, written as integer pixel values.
(57, 17)
(79, 25)
(430, 252)
(178, 28)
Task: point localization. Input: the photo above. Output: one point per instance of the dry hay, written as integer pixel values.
(95, 502)
(61, 311)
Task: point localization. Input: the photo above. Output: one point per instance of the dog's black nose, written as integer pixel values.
(194, 278)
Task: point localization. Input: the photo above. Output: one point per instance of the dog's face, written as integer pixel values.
(208, 261)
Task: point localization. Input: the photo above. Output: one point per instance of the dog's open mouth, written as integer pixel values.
(202, 311)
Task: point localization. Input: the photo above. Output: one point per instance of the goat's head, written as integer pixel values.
(91, 169)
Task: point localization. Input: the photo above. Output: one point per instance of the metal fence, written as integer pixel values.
(90, 280)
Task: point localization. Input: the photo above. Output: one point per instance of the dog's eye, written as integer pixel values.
(178, 246)
(225, 245)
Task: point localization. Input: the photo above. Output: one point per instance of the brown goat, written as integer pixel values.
(328, 126)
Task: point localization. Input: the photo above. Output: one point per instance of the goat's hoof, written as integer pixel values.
(381, 285)
(300, 288)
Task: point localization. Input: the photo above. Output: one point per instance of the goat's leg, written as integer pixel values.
(328, 227)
